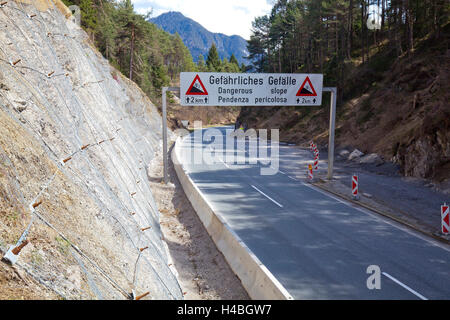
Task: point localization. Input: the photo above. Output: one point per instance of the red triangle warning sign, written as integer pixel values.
(197, 88)
(307, 89)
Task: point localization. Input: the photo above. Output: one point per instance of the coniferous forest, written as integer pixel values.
(326, 36)
(144, 53)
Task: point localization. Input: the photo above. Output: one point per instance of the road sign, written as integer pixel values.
(355, 187)
(445, 213)
(197, 88)
(307, 89)
(250, 89)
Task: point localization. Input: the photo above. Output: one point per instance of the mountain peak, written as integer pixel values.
(198, 39)
(173, 14)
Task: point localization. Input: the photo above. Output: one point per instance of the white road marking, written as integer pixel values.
(379, 217)
(226, 165)
(404, 286)
(281, 206)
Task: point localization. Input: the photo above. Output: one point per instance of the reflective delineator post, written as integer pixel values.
(445, 214)
(310, 173)
(355, 194)
(316, 162)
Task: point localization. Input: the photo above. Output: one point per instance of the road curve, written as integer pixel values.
(317, 246)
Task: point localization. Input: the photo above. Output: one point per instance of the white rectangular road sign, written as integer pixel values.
(250, 89)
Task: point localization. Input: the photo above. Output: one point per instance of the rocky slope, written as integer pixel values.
(398, 109)
(76, 138)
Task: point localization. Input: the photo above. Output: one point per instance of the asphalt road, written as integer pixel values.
(317, 246)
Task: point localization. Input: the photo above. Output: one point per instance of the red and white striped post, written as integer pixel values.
(355, 195)
(310, 173)
(316, 151)
(445, 214)
(316, 162)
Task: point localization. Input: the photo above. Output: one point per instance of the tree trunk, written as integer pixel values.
(362, 32)
(337, 37)
(411, 26)
(350, 30)
(397, 31)
(132, 52)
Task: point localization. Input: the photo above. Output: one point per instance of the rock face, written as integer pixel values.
(355, 155)
(344, 153)
(422, 156)
(75, 141)
(372, 158)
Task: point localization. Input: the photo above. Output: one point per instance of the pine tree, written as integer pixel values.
(146, 54)
(234, 60)
(213, 62)
(88, 16)
(132, 31)
(201, 66)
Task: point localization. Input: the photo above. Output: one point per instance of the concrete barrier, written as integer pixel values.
(255, 277)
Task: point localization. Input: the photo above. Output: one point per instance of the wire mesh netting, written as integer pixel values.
(78, 144)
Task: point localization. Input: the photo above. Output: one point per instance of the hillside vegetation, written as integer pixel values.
(149, 56)
(199, 40)
(393, 82)
(153, 58)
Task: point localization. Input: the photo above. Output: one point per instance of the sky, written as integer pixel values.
(225, 16)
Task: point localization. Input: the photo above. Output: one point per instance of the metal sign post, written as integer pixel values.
(164, 129)
(331, 131)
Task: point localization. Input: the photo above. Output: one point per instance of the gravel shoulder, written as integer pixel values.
(203, 272)
(412, 201)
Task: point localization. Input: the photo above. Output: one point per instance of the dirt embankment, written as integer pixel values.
(397, 108)
(203, 271)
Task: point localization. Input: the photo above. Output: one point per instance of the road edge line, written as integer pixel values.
(384, 214)
(257, 280)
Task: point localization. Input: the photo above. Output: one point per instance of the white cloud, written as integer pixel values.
(229, 17)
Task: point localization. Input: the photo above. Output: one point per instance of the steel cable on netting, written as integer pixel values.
(39, 54)
(106, 95)
(53, 176)
(34, 204)
(113, 164)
